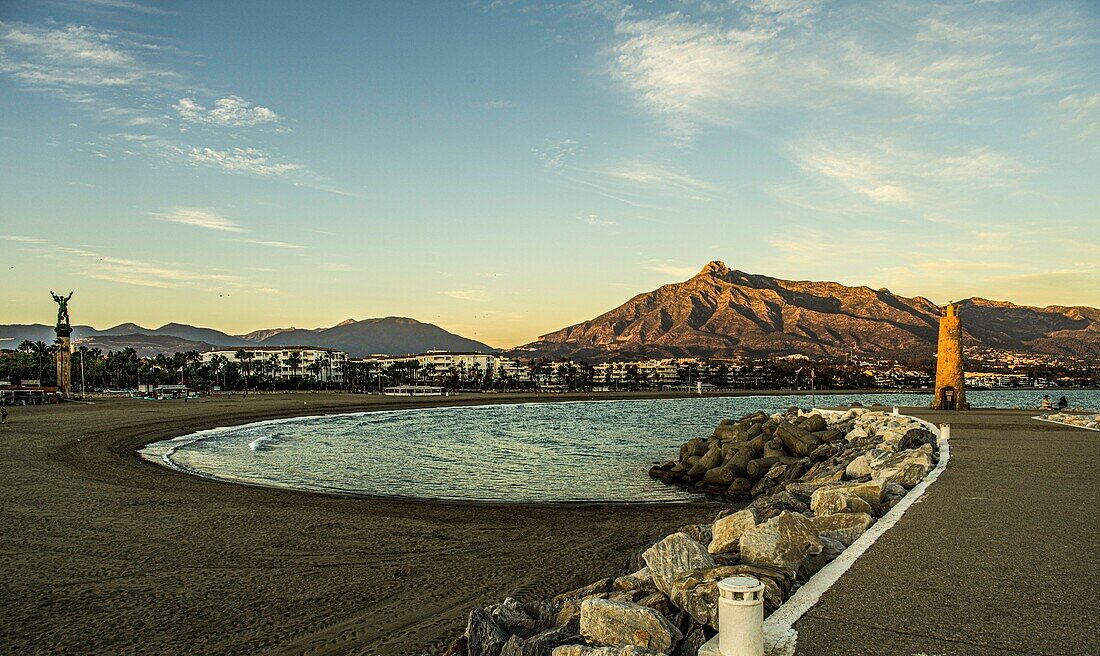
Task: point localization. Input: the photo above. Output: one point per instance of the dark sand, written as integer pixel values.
(102, 552)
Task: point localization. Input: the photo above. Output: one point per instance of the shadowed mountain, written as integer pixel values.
(722, 312)
(390, 336)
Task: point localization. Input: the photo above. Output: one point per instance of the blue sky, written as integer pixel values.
(504, 168)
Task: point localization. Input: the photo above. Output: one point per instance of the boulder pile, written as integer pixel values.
(1081, 420)
(816, 482)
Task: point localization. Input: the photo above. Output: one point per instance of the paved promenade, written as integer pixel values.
(1000, 556)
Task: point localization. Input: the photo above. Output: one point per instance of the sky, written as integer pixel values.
(504, 169)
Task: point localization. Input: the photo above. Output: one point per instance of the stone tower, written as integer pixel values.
(950, 380)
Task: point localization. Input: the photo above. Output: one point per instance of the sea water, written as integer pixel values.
(531, 452)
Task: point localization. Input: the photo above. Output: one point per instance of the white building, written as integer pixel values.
(276, 360)
(668, 371)
(439, 364)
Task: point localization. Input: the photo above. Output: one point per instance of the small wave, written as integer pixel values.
(261, 443)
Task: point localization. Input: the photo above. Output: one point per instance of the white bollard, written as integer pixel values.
(896, 413)
(945, 431)
(741, 616)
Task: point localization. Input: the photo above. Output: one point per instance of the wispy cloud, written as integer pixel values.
(555, 153)
(659, 178)
(596, 220)
(668, 268)
(76, 58)
(884, 172)
(22, 239)
(498, 104)
(467, 294)
(126, 5)
(243, 160)
(133, 81)
(1082, 112)
(273, 244)
(199, 217)
(713, 64)
(93, 263)
(231, 111)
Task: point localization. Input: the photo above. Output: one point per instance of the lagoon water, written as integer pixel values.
(533, 452)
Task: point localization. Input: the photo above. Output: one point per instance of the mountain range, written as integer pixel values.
(389, 335)
(721, 312)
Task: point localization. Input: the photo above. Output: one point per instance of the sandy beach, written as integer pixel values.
(103, 552)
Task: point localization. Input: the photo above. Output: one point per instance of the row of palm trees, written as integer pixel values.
(251, 363)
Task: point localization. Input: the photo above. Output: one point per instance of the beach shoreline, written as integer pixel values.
(105, 552)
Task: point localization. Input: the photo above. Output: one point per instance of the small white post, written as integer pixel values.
(945, 431)
(896, 412)
(741, 616)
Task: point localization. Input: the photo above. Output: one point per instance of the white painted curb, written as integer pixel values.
(1064, 423)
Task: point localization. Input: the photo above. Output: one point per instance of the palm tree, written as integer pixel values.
(315, 369)
(245, 357)
(41, 350)
(326, 365)
(294, 361)
(274, 365)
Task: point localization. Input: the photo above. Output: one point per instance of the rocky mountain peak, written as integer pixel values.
(721, 312)
(715, 268)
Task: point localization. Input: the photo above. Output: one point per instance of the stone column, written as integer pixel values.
(64, 361)
(950, 377)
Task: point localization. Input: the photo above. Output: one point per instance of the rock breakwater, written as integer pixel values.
(802, 487)
(1086, 420)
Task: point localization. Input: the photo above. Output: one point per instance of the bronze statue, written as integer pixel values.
(62, 308)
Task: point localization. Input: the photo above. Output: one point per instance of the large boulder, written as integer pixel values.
(781, 542)
(701, 533)
(614, 624)
(672, 555)
(727, 531)
(838, 497)
(598, 587)
(696, 591)
(511, 615)
(844, 528)
(772, 505)
(640, 581)
(812, 564)
(484, 636)
(541, 644)
(831, 500)
(905, 468)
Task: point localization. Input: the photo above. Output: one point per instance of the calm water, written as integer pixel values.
(586, 451)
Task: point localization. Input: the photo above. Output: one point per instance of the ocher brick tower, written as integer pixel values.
(950, 390)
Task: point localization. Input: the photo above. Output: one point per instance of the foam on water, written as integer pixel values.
(261, 442)
(530, 452)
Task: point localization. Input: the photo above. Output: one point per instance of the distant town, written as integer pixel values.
(27, 374)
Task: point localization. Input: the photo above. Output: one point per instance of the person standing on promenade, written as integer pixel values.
(1046, 403)
(3, 414)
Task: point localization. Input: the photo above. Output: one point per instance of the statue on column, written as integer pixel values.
(64, 345)
(62, 308)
